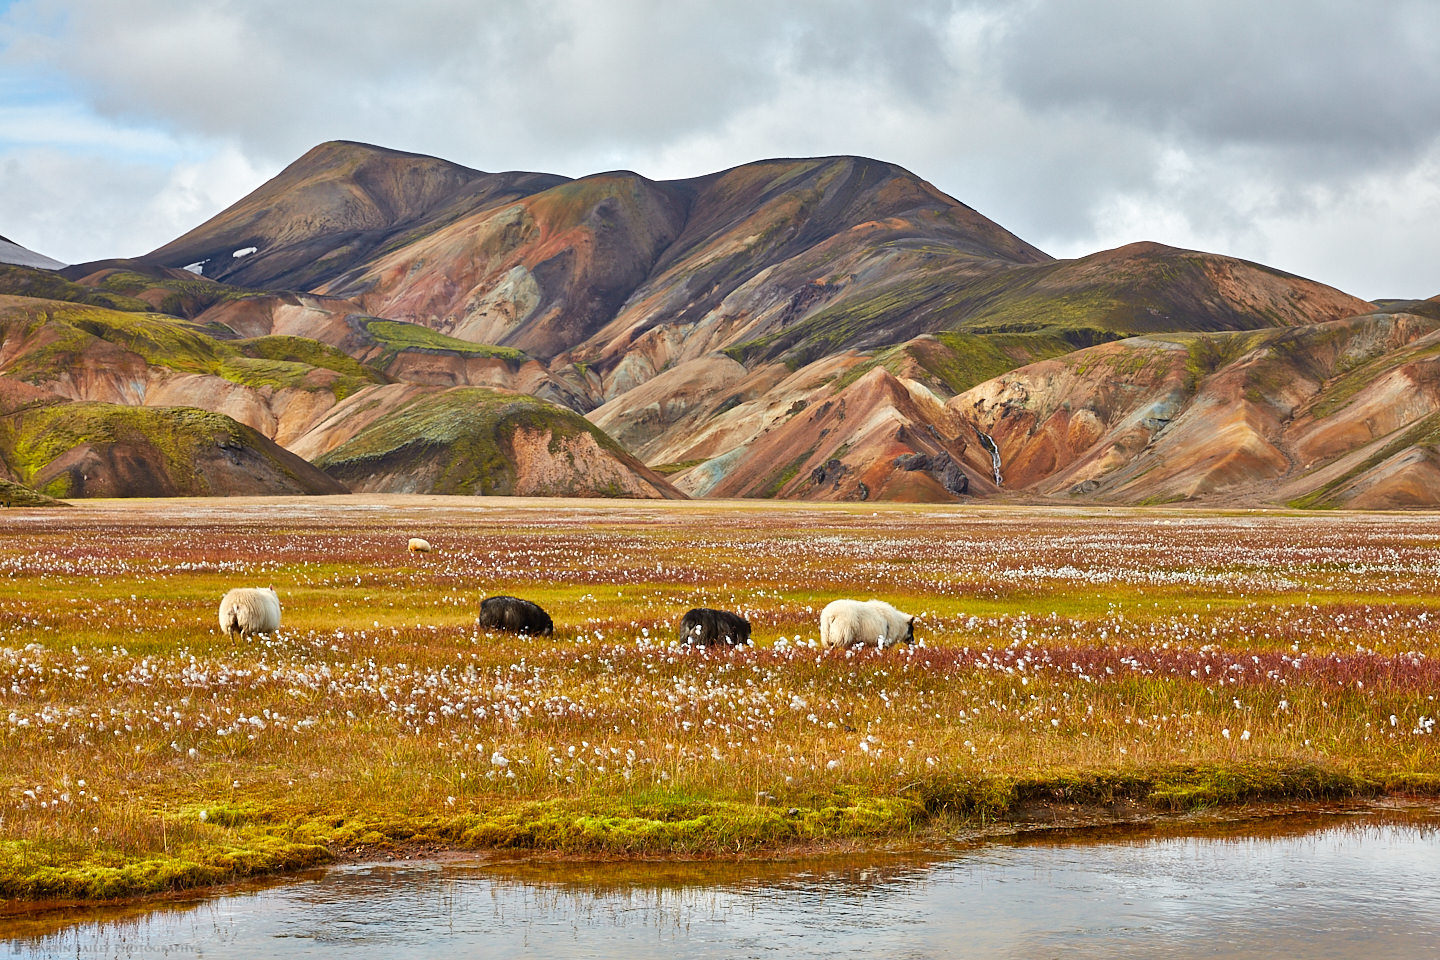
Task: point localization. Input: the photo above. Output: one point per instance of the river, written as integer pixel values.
(1314, 886)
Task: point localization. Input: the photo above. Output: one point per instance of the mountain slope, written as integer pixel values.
(403, 351)
(1139, 288)
(13, 494)
(1345, 413)
(541, 273)
(335, 206)
(472, 441)
(66, 449)
(876, 438)
(543, 263)
(275, 384)
(160, 391)
(51, 285)
(770, 243)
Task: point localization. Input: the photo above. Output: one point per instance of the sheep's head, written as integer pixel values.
(910, 630)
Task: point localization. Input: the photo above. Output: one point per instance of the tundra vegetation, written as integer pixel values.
(1167, 660)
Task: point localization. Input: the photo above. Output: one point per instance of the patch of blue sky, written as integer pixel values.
(42, 109)
(29, 12)
(70, 126)
(36, 114)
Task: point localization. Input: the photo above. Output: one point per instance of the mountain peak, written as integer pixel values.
(340, 152)
(332, 207)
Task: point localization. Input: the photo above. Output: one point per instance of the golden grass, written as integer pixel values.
(1170, 657)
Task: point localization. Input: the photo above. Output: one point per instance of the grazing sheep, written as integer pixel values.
(703, 625)
(419, 546)
(513, 615)
(845, 623)
(245, 611)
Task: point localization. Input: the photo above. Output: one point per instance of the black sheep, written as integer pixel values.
(703, 626)
(513, 615)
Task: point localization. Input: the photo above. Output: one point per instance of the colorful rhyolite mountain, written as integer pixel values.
(830, 328)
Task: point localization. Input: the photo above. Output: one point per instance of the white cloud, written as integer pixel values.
(1275, 131)
(80, 207)
(1378, 236)
(1374, 234)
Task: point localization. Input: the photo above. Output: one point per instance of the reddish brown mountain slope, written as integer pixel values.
(1341, 413)
(541, 273)
(337, 206)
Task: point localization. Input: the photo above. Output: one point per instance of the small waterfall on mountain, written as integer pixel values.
(988, 443)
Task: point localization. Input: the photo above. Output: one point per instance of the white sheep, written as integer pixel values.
(845, 623)
(250, 610)
(418, 545)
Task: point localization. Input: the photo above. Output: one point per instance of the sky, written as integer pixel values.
(1304, 134)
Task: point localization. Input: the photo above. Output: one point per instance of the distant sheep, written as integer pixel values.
(246, 611)
(420, 546)
(513, 615)
(845, 623)
(704, 626)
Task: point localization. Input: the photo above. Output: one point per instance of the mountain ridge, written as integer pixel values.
(797, 327)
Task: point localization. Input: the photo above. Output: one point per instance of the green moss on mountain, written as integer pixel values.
(178, 296)
(938, 301)
(954, 362)
(1340, 391)
(969, 359)
(464, 435)
(291, 362)
(21, 281)
(670, 469)
(18, 495)
(782, 476)
(1206, 353)
(148, 451)
(1141, 289)
(42, 435)
(1423, 432)
(64, 333)
(395, 335)
(879, 315)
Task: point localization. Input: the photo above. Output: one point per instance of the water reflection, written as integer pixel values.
(1313, 886)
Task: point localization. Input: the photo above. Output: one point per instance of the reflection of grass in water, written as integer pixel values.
(1071, 659)
(1264, 823)
(29, 924)
(599, 877)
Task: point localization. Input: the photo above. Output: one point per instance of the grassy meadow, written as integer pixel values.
(1167, 658)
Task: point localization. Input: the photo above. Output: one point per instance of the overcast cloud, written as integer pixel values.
(1300, 133)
